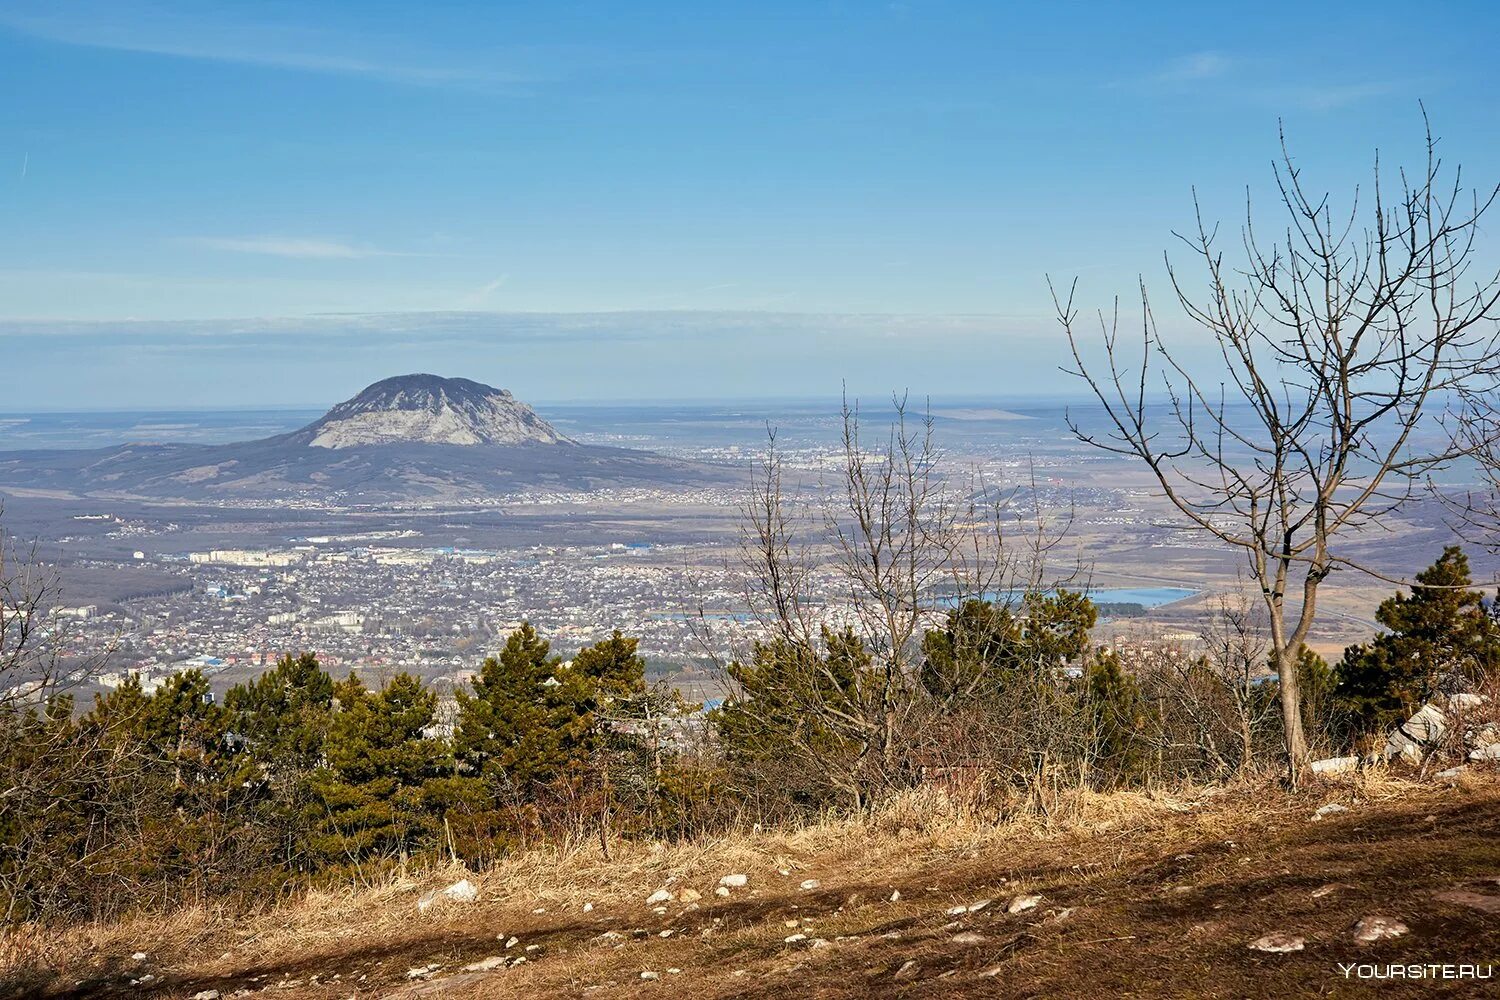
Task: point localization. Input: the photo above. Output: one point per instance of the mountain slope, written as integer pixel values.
(413, 437)
(1139, 896)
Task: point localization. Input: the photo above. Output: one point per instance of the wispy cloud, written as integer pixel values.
(214, 33)
(1257, 80)
(1334, 97)
(298, 247)
(1197, 66)
(480, 296)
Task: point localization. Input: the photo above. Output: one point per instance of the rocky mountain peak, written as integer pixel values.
(429, 409)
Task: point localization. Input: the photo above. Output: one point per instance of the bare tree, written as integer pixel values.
(1236, 652)
(895, 539)
(1342, 344)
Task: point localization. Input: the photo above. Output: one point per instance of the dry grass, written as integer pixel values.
(1133, 867)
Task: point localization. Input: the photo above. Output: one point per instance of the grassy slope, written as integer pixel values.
(1164, 897)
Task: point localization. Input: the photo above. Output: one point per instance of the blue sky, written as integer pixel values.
(275, 203)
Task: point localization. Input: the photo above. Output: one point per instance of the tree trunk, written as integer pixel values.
(1291, 715)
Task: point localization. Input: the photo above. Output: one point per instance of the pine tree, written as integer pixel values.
(1440, 628)
(530, 718)
(373, 788)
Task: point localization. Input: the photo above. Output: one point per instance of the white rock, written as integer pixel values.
(1278, 943)
(1335, 765)
(980, 904)
(1378, 929)
(968, 937)
(722, 890)
(485, 964)
(462, 891)
(1022, 903)
(588, 907)
(689, 896)
(139, 956)
(659, 896)
(1465, 702)
(954, 911)
(648, 974)
(1491, 752)
(1451, 774)
(810, 883)
(794, 938)
(421, 971)
(735, 881)
(206, 995)
(1425, 727)
(895, 895)
(512, 943)
(1331, 809)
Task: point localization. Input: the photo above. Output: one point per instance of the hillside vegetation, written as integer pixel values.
(1134, 894)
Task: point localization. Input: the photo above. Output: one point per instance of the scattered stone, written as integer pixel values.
(734, 881)
(531, 948)
(794, 938)
(980, 904)
(1491, 752)
(689, 896)
(588, 907)
(1474, 900)
(512, 942)
(659, 896)
(1064, 913)
(1451, 774)
(675, 971)
(1331, 809)
(1423, 729)
(908, 970)
(895, 895)
(968, 937)
(810, 883)
(485, 964)
(206, 995)
(1335, 765)
(422, 971)
(722, 890)
(648, 974)
(817, 943)
(1378, 929)
(1326, 890)
(658, 910)
(462, 891)
(1022, 903)
(954, 911)
(1278, 943)
(666, 933)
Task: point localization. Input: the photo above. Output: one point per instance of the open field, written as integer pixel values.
(1140, 896)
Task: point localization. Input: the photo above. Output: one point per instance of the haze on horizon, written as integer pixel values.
(234, 204)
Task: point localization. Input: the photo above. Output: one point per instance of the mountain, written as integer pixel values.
(412, 437)
(426, 409)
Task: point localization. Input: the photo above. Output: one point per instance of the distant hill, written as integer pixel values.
(411, 437)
